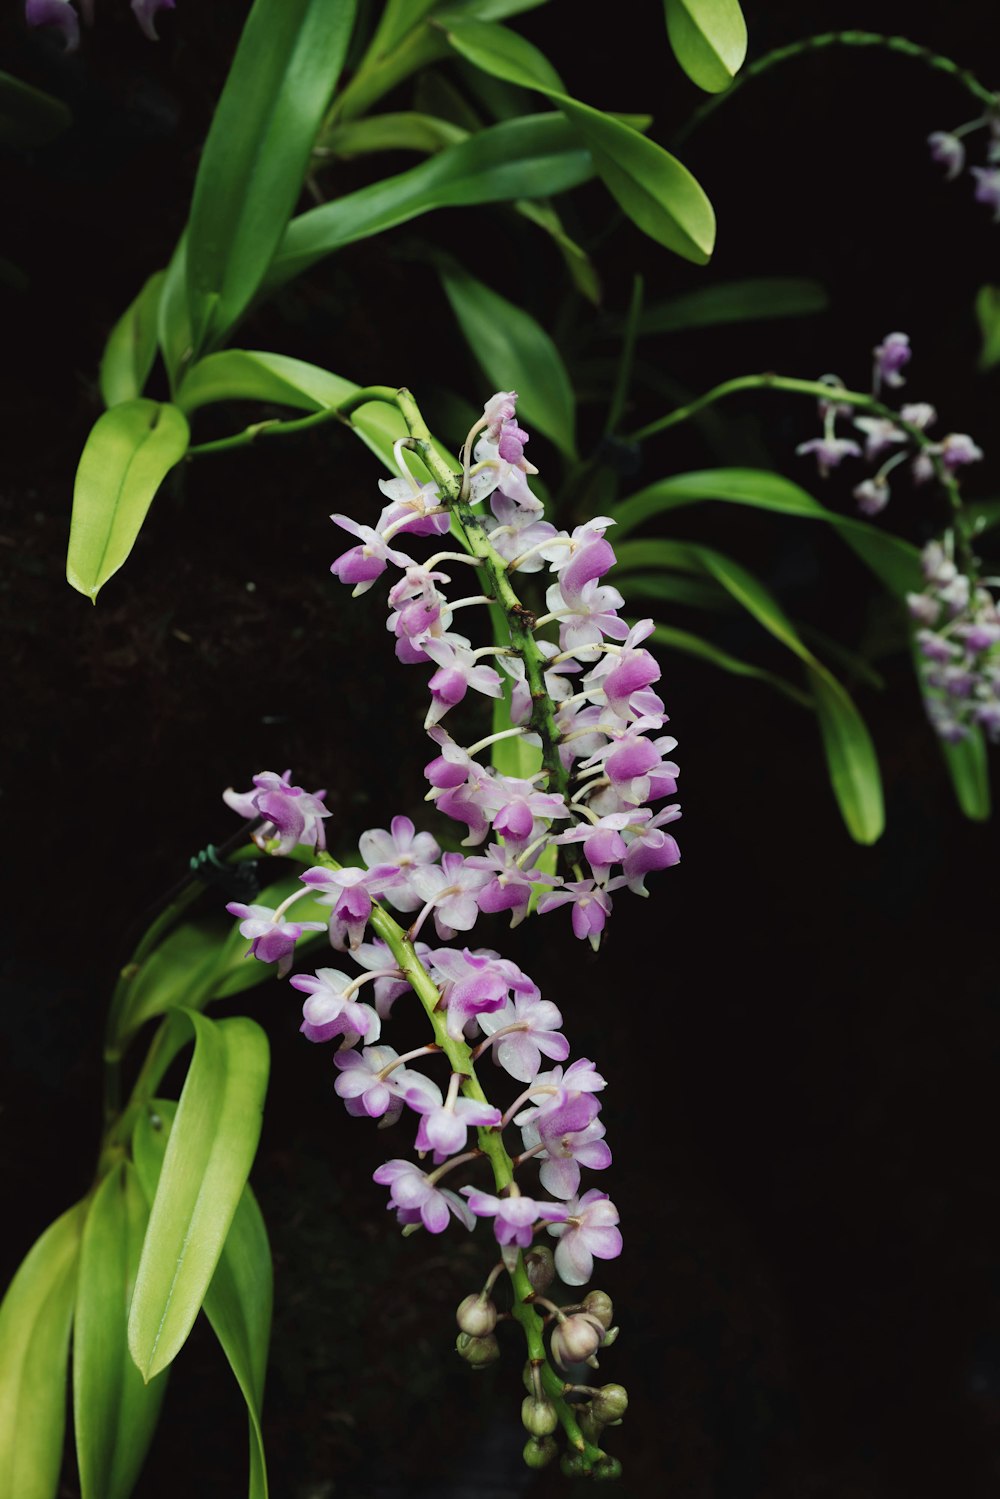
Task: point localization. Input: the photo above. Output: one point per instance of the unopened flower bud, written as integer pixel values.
(599, 1305)
(606, 1467)
(589, 1424)
(609, 1403)
(539, 1451)
(574, 1465)
(576, 1338)
(541, 1267)
(477, 1315)
(538, 1416)
(479, 1352)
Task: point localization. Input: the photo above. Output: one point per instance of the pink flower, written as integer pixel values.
(589, 1231)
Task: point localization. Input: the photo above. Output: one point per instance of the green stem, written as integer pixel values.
(624, 376)
(520, 621)
(490, 1140)
(867, 39)
(819, 391)
(277, 428)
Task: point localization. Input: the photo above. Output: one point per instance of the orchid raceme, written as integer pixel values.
(581, 828)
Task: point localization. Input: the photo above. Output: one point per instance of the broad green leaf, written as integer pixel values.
(131, 347)
(709, 38)
(255, 159)
(694, 645)
(968, 767)
(35, 1320)
(239, 1299)
(209, 1154)
(408, 131)
(178, 972)
(753, 300)
(29, 117)
(515, 353)
(988, 317)
(651, 186)
(129, 453)
(534, 157)
(114, 1412)
(893, 561)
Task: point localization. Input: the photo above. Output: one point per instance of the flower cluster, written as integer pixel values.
(948, 150)
(959, 642)
(584, 705)
(608, 760)
(62, 15)
(888, 440)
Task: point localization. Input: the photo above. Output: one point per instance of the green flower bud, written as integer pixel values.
(606, 1467)
(611, 1336)
(610, 1403)
(479, 1352)
(574, 1465)
(539, 1451)
(538, 1416)
(477, 1315)
(576, 1339)
(540, 1264)
(599, 1305)
(589, 1424)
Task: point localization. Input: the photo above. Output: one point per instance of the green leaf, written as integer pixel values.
(178, 972)
(129, 453)
(982, 515)
(850, 754)
(131, 347)
(29, 117)
(651, 186)
(694, 645)
(257, 152)
(534, 157)
(515, 353)
(578, 262)
(407, 131)
(752, 300)
(894, 562)
(988, 317)
(709, 38)
(114, 1412)
(238, 1305)
(239, 1299)
(173, 325)
(35, 1320)
(695, 593)
(208, 1158)
(968, 766)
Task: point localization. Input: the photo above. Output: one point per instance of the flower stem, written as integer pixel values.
(520, 621)
(900, 45)
(790, 385)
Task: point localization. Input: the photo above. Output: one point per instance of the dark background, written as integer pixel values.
(800, 1035)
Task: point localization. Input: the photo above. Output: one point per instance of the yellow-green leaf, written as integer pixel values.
(208, 1159)
(35, 1320)
(657, 192)
(131, 347)
(129, 453)
(114, 1412)
(709, 38)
